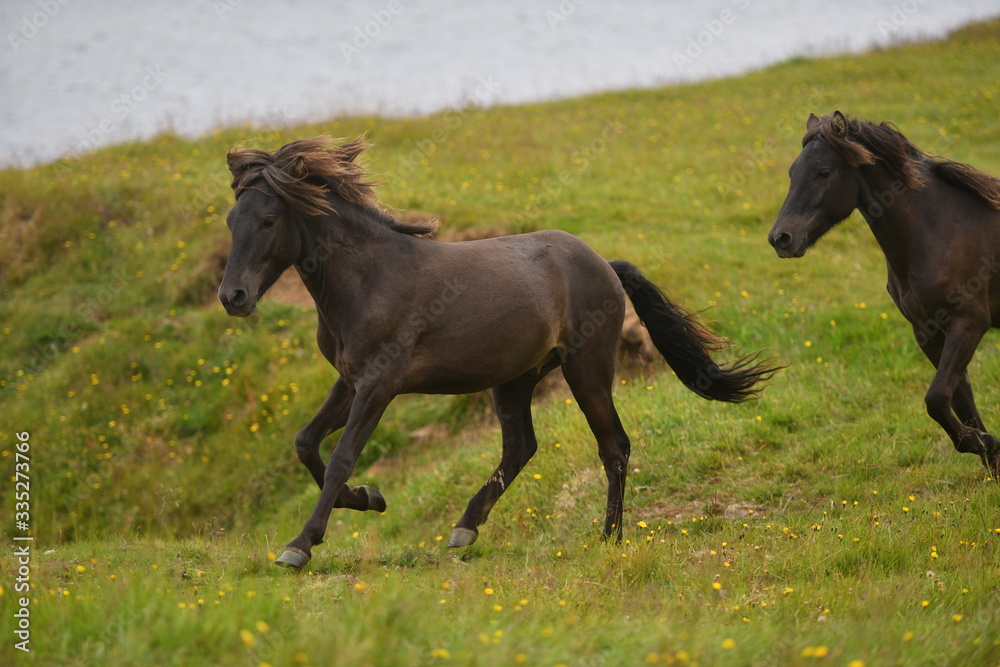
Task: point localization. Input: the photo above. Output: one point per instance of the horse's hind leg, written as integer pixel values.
(591, 386)
(965, 404)
(512, 402)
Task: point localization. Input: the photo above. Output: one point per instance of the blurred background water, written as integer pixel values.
(77, 74)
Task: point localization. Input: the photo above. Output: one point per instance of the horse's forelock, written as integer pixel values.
(847, 144)
(302, 173)
(866, 143)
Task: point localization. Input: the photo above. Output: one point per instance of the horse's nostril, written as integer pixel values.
(783, 240)
(238, 298)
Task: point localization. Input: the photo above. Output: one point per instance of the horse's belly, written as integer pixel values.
(480, 359)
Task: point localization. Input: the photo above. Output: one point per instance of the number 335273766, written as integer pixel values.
(22, 485)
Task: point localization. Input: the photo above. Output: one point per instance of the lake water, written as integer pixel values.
(76, 74)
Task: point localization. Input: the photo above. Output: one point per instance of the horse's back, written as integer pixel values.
(538, 258)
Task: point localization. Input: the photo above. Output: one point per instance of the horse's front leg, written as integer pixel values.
(332, 417)
(366, 410)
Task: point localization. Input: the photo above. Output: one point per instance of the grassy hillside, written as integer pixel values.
(829, 523)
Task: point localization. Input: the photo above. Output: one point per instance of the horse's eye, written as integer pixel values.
(823, 173)
(269, 221)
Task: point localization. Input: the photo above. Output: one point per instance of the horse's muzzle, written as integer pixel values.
(786, 245)
(237, 302)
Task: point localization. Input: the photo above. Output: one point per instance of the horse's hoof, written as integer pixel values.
(376, 502)
(991, 459)
(462, 537)
(292, 557)
(992, 463)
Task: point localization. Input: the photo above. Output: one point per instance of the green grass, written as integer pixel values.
(163, 475)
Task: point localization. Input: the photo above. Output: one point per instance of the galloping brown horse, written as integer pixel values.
(938, 223)
(401, 313)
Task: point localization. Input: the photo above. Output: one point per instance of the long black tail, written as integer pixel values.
(687, 345)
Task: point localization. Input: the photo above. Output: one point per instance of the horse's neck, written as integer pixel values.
(891, 211)
(343, 256)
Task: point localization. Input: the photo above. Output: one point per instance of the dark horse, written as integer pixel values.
(938, 223)
(401, 313)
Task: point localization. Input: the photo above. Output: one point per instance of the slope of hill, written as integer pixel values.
(827, 512)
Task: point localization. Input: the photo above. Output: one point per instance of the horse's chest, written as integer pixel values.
(915, 310)
(913, 299)
(945, 300)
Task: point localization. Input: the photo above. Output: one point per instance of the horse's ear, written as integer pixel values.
(839, 124)
(812, 122)
(239, 160)
(234, 161)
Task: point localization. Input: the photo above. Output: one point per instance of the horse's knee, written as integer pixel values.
(937, 400)
(340, 467)
(306, 446)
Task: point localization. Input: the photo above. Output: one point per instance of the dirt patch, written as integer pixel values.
(695, 509)
(635, 349)
(675, 512)
(290, 290)
(20, 241)
(744, 511)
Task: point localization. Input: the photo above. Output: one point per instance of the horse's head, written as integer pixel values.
(823, 190)
(266, 241)
(279, 196)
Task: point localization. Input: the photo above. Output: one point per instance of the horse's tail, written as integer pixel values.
(687, 345)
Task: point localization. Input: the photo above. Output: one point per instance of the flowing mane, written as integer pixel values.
(862, 142)
(305, 172)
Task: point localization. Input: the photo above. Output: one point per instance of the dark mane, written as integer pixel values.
(864, 142)
(305, 172)
(965, 176)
